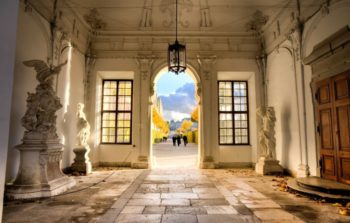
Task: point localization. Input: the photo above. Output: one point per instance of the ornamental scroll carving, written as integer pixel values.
(40, 118)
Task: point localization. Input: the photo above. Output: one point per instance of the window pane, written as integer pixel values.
(116, 98)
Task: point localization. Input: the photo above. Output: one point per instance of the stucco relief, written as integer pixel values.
(94, 20)
(167, 7)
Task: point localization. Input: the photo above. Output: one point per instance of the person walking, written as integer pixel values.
(174, 140)
(178, 139)
(185, 140)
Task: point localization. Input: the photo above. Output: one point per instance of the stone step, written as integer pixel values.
(324, 185)
(313, 191)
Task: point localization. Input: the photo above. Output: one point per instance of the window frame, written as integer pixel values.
(116, 112)
(233, 112)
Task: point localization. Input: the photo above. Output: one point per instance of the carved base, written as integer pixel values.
(142, 163)
(267, 166)
(207, 163)
(39, 173)
(303, 171)
(82, 162)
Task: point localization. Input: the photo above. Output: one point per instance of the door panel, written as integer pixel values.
(326, 128)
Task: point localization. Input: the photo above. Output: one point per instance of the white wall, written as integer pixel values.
(238, 69)
(282, 96)
(114, 154)
(8, 22)
(32, 34)
(316, 30)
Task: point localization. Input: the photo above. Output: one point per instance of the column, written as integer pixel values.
(296, 39)
(208, 151)
(145, 67)
(8, 22)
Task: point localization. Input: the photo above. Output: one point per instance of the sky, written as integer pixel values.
(177, 95)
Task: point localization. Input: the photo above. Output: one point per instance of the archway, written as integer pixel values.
(164, 153)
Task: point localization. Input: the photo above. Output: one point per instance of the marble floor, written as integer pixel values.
(174, 195)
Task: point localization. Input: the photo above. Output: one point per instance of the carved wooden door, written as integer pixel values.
(333, 114)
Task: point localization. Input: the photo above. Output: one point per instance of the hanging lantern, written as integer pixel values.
(176, 55)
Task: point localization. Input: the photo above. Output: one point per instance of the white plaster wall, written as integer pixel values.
(114, 69)
(283, 97)
(238, 69)
(32, 33)
(70, 89)
(8, 22)
(316, 30)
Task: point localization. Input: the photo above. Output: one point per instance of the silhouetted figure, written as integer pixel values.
(165, 138)
(178, 139)
(174, 140)
(185, 140)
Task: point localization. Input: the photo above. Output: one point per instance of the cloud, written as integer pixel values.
(179, 104)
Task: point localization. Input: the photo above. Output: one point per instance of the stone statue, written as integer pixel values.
(83, 126)
(39, 173)
(267, 163)
(267, 138)
(40, 118)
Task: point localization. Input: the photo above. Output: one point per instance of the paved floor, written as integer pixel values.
(183, 194)
(165, 155)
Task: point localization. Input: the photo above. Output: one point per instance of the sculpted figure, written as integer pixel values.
(83, 126)
(267, 138)
(40, 118)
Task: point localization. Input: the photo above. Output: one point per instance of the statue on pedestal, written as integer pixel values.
(267, 163)
(82, 162)
(267, 138)
(39, 173)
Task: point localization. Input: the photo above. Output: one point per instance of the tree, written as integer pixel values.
(194, 115)
(186, 125)
(159, 121)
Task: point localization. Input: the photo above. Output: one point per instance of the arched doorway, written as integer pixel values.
(164, 154)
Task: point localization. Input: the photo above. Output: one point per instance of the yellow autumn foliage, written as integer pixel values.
(159, 121)
(194, 115)
(186, 125)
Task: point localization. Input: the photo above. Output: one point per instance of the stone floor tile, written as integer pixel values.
(179, 195)
(179, 218)
(205, 190)
(254, 204)
(242, 209)
(185, 210)
(176, 202)
(222, 209)
(232, 200)
(200, 185)
(154, 210)
(204, 202)
(180, 190)
(275, 214)
(139, 218)
(221, 218)
(211, 196)
(224, 191)
(133, 210)
(137, 202)
(146, 195)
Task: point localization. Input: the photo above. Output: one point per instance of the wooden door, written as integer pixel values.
(333, 114)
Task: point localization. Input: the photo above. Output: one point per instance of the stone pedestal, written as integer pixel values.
(82, 162)
(142, 163)
(267, 166)
(39, 173)
(207, 163)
